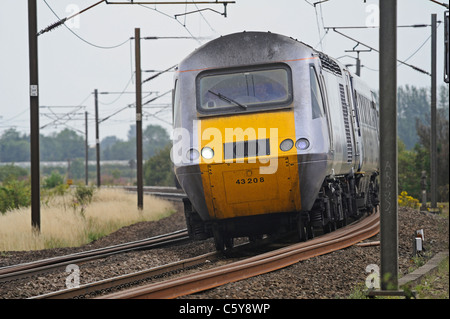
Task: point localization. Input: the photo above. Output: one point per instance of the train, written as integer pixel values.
(272, 136)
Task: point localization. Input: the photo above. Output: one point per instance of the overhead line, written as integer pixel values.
(170, 2)
(368, 46)
(155, 98)
(57, 24)
(62, 21)
(159, 73)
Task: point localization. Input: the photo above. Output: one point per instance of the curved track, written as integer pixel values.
(106, 285)
(188, 284)
(26, 270)
(257, 265)
(40, 266)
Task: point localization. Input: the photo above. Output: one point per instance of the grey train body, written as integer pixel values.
(334, 113)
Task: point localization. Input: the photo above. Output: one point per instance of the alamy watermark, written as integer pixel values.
(373, 17)
(373, 279)
(73, 23)
(233, 144)
(73, 280)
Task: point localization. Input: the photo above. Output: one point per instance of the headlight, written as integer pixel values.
(302, 144)
(286, 145)
(207, 152)
(192, 154)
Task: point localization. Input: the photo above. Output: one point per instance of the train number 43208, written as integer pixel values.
(250, 180)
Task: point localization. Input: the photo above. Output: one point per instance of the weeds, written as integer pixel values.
(405, 200)
(82, 197)
(75, 216)
(14, 194)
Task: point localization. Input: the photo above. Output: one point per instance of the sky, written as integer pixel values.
(94, 51)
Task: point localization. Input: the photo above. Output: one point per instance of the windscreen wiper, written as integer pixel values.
(225, 98)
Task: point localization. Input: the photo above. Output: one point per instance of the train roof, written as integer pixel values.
(266, 47)
(230, 50)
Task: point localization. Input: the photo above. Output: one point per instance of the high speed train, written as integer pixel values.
(271, 136)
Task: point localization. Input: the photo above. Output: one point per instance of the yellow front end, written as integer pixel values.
(256, 183)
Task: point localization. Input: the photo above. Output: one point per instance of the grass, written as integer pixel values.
(432, 286)
(66, 223)
(435, 286)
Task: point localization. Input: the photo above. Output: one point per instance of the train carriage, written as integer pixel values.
(271, 135)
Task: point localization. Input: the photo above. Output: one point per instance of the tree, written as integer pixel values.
(158, 170)
(11, 171)
(413, 105)
(408, 171)
(443, 102)
(14, 147)
(154, 138)
(108, 141)
(66, 144)
(442, 136)
(120, 150)
(132, 132)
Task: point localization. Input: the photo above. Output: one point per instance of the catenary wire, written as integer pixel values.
(79, 37)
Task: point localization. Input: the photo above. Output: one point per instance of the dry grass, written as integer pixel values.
(63, 225)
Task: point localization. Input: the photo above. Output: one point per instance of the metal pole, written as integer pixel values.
(137, 41)
(433, 127)
(97, 138)
(86, 149)
(34, 116)
(388, 145)
(423, 186)
(358, 64)
(447, 49)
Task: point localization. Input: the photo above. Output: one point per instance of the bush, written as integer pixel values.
(83, 194)
(53, 180)
(405, 200)
(12, 172)
(158, 170)
(82, 197)
(14, 194)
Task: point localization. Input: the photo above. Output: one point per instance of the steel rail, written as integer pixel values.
(144, 275)
(168, 193)
(128, 279)
(154, 189)
(267, 262)
(24, 270)
(14, 272)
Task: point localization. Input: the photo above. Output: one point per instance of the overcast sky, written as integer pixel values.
(94, 51)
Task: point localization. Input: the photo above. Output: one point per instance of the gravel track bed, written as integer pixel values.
(330, 276)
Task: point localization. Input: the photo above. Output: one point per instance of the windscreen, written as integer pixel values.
(251, 88)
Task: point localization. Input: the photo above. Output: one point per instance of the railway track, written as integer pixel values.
(47, 265)
(191, 283)
(230, 272)
(256, 265)
(94, 288)
(196, 281)
(27, 270)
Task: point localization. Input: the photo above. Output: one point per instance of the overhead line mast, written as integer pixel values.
(34, 117)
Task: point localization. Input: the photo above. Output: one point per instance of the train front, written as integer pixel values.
(236, 145)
